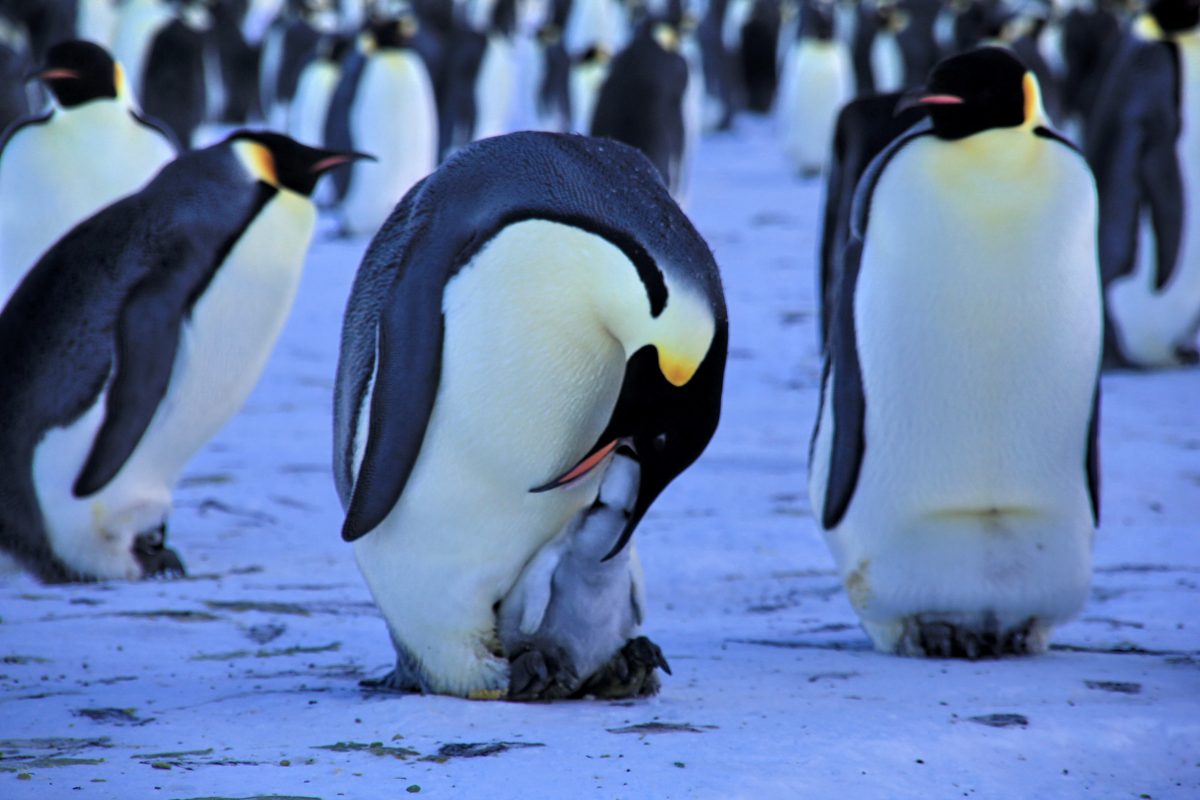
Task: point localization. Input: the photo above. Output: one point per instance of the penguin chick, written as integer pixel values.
(133, 340)
(93, 147)
(572, 612)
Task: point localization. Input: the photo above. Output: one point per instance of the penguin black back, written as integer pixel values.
(605, 188)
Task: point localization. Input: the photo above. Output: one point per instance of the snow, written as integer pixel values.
(230, 682)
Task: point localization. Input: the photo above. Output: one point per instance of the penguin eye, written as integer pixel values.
(660, 442)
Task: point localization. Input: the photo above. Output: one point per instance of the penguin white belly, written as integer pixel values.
(55, 175)
(586, 80)
(887, 64)
(394, 119)
(528, 74)
(693, 112)
(979, 330)
(1151, 323)
(589, 24)
(524, 393)
(818, 79)
(494, 88)
(222, 350)
(310, 104)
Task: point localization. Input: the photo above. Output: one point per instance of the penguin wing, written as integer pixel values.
(408, 370)
(159, 127)
(146, 338)
(21, 124)
(1093, 455)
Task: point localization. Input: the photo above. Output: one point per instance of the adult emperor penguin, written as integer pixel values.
(572, 608)
(817, 80)
(91, 148)
(383, 104)
(536, 304)
(1143, 141)
(133, 340)
(641, 101)
(954, 463)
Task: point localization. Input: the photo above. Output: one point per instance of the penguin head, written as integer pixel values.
(283, 162)
(1175, 16)
(976, 91)
(78, 72)
(675, 338)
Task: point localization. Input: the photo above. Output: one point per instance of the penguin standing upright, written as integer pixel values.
(133, 340)
(138, 22)
(384, 105)
(534, 306)
(93, 147)
(1143, 141)
(174, 87)
(495, 82)
(641, 101)
(309, 106)
(817, 81)
(953, 467)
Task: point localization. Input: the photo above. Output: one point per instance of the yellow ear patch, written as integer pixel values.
(678, 371)
(666, 37)
(119, 80)
(258, 161)
(1033, 99)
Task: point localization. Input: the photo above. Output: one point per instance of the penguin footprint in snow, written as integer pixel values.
(569, 625)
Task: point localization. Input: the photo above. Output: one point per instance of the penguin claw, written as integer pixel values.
(393, 683)
(940, 639)
(629, 673)
(534, 675)
(156, 559)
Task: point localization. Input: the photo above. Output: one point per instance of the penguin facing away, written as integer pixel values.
(175, 87)
(572, 609)
(641, 100)
(133, 340)
(534, 305)
(953, 467)
(816, 81)
(1143, 141)
(93, 147)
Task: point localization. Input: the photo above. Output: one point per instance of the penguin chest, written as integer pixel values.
(977, 316)
(225, 341)
(528, 382)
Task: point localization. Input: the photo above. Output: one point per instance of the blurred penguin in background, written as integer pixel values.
(759, 43)
(383, 104)
(288, 45)
(175, 86)
(817, 81)
(1089, 36)
(309, 106)
(138, 23)
(91, 148)
(641, 102)
(495, 82)
(1143, 141)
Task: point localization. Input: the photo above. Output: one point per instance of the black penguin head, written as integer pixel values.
(79, 72)
(976, 91)
(1175, 16)
(816, 21)
(285, 163)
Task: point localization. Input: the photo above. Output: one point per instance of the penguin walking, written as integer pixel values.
(572, 609)
(508, 331)
(1143, 141)
(383, 104)
(953, 467)
(93, 147)
(641, 101)
(817, 82)
(133, 340)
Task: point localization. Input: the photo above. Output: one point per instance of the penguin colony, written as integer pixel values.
(535, 342)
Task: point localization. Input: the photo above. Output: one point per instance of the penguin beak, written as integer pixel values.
(585, 465)
(918, 98)
(337, 159)
(53, 74)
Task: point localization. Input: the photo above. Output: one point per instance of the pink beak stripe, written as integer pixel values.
(941, 100)
(582, 468)
(57, 74)
(330, 161)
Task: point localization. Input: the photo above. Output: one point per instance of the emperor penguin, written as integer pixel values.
(535, 306)
(1143, 141)
(572, 608)
(953, 467)
(175, 81)
(133, 340)
(641, 100)
(383, 104)
(817, 81)
(91, 148)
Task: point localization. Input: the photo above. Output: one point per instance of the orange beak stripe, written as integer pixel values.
(582, 468)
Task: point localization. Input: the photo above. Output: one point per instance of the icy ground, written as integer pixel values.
(242, 680)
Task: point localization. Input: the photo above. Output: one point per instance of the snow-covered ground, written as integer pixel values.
(242, 680)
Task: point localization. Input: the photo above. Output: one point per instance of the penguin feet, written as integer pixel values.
(155, 558)
(629, 673)
(537, 675)
(936, 637)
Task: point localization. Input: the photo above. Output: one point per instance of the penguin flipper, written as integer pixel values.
(1093, 456)
(147, 337)
(849, 402)
(409, 347)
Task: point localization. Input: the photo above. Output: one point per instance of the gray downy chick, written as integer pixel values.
(570, 625)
